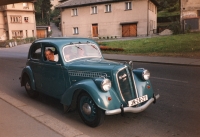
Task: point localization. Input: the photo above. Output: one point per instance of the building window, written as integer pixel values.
(15, 19)
(151, 25)
(25, 6)
(17, 34)
(108, 8)
(75, 30)
(26, 19)
(74, 12)
(94, 10)
(128, 5)
(151, 7)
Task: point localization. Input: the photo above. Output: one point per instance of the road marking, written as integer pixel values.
(170, 79)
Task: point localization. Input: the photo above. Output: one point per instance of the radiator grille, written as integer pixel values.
(126, 84)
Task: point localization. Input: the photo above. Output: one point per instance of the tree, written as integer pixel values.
(164, 4)
(43, 11)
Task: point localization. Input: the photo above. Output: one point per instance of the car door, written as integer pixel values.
(53, 78)
(35, 64)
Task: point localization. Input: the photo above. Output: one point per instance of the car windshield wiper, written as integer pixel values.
(79, 47)
(94, 47)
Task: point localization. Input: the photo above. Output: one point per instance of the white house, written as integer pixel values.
(108, 18)
(17, 21)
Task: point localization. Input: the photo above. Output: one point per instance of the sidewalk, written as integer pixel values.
(15, 123)
(18, 119)
(55, 30)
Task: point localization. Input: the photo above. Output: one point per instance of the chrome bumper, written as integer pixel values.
(132, 109)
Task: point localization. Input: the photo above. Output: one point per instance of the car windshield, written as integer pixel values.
(77, 51)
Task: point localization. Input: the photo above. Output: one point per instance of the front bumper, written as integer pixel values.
(132, 109)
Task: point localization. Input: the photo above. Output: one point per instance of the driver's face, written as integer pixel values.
(49, 55)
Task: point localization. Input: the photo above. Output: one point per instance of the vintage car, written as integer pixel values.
(82, 79)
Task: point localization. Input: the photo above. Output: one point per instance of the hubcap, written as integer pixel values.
(86, 109)
(28, 87)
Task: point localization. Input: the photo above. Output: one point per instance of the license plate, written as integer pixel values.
(137, 100)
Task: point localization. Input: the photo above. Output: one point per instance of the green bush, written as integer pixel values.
(175, 27)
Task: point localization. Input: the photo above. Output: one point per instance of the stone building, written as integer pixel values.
(190, 15)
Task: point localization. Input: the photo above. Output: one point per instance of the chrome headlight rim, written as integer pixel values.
(146, 75)
(106, 85)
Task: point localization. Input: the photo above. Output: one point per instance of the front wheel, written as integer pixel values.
(91, 115)
(32, 93)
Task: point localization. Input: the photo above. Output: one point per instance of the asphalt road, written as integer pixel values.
(176, 113)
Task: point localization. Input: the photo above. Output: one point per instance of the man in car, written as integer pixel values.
(50, 55)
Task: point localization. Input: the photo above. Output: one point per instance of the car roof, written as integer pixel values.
(63, 41)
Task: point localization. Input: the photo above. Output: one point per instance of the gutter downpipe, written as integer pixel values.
(62, 24)
(147, 17)
(181, 15)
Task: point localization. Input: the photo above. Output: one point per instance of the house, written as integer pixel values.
(108, 18)
(17, 21)
(190, 15)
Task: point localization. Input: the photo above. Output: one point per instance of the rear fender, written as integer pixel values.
(27, 72)
(100, 97)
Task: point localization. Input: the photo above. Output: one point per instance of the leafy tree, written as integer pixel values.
(163, 4)
(43, 11)
(55, 13)
(175, 27)
(55, 17)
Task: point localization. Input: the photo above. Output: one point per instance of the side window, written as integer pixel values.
(50, 52)
(36, 51)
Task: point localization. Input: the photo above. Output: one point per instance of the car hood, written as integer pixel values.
(92, 68)
(94, 64)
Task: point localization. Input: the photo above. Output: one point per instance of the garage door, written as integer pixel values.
(129, 30)
(41, 33)
(192, 24)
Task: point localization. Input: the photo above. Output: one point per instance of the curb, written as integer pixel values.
(47, 120)
(154, 60)
(151, 62)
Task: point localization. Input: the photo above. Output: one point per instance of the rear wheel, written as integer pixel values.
(92, 115)
(32, 93)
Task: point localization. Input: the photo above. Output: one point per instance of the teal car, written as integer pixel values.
(82, 79)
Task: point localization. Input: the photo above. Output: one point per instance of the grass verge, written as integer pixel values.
(183, 45)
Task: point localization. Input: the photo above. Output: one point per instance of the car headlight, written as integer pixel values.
(106, 84)
(146, 74)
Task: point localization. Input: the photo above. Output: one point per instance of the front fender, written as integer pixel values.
(143, 87)
(100, 97)
(27, 72)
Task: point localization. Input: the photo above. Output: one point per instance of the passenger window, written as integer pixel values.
(36, 51)
(50, 53)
